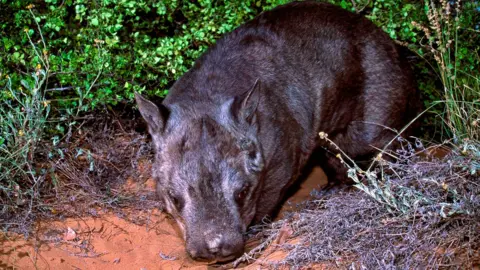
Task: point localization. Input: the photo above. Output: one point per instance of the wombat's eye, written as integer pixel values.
(177, 200)
(242, 194)
(247, 145)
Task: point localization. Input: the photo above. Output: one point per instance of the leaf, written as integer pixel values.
(26, 84)
(94, 21)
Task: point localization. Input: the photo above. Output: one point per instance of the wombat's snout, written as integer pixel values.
(216, 247)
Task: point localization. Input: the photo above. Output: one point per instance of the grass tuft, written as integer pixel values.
(445, 40)
(23, 118)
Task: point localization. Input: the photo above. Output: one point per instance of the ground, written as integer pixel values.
(112, 241)
(101, 212)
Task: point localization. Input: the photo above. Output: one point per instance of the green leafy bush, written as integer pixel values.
(100, 52)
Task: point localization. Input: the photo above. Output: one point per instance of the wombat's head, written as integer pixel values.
(208, 172)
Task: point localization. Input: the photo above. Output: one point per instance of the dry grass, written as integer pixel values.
(90, 175)
(420, 212)
(444, 41)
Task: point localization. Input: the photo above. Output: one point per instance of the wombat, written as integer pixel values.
(235, 131)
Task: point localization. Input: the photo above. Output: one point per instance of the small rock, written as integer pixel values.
(167, 257)
(69, 235)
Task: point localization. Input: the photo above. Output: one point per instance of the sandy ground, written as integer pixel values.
(108, 241)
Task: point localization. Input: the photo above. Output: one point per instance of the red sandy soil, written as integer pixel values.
(111, 242)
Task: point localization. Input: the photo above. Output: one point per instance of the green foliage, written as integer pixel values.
(100, 52)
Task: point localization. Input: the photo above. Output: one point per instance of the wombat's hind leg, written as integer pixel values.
(336, 171)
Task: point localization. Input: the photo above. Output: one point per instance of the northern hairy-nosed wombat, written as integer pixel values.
(236, 130)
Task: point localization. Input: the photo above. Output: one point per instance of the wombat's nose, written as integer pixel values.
(214, 243)
(217, 247)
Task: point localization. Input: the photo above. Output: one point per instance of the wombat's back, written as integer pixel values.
(317, 53)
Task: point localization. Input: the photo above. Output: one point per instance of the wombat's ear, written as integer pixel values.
(244, 106)
(155, 116)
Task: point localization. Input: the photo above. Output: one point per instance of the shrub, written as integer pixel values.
(23, 117)
(449, 41)
(100, 52)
